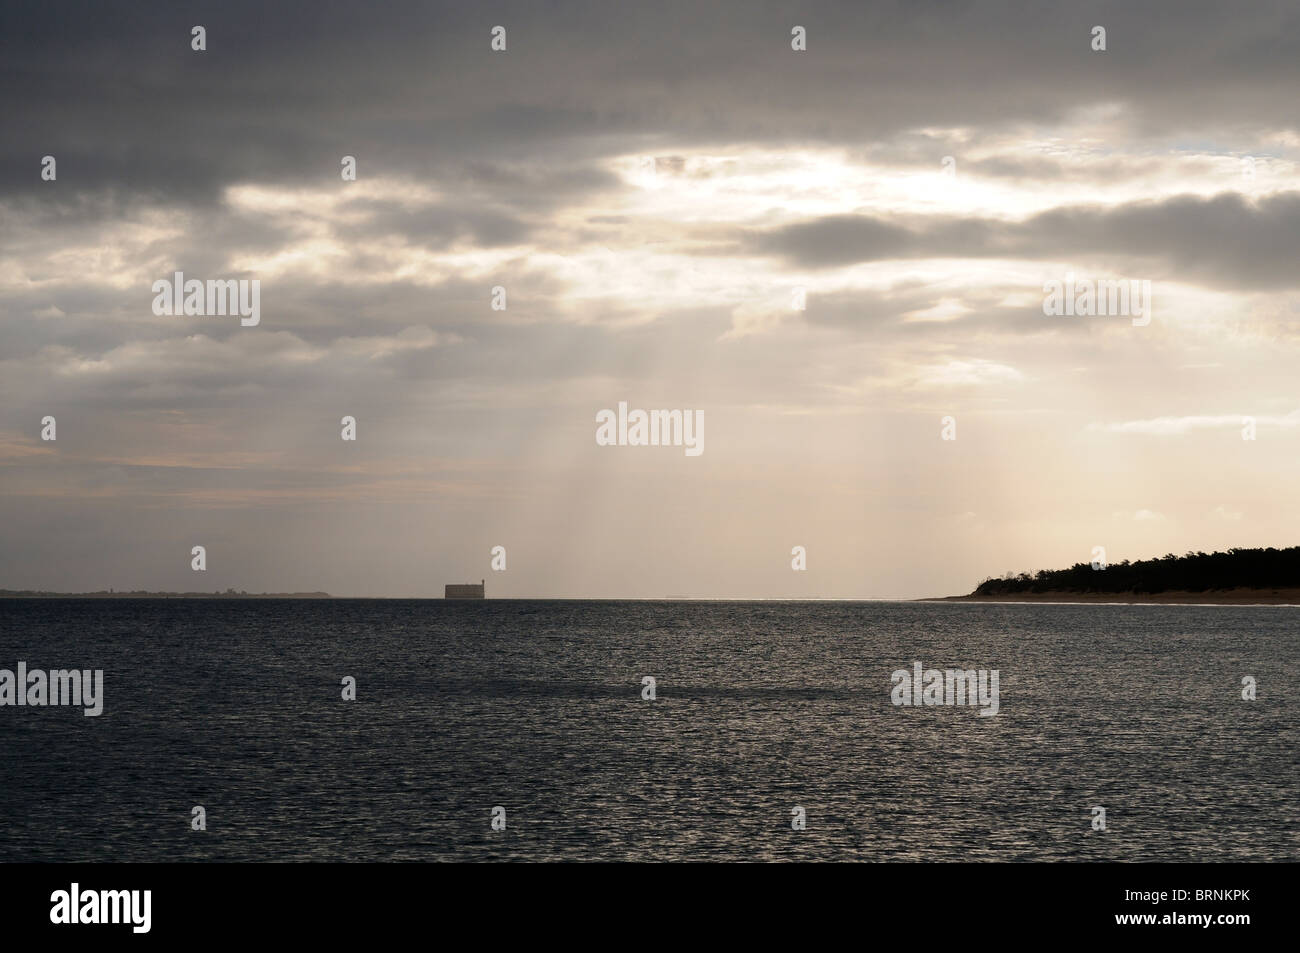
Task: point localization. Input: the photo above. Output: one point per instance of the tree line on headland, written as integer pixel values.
(1193, 572)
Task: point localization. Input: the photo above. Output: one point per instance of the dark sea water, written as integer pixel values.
(536, 707)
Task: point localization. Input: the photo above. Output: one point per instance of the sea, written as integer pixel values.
(517, 730)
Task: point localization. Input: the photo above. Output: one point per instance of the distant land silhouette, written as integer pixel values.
(1237, 576)
(142, 594)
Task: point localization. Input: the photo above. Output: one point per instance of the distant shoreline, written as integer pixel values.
(1225, 597)
(1220, 597)
(141, 594)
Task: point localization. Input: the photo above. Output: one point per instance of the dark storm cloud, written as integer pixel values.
(897, 315)
(840, 240)
(1093, 171)
(1225, 240)
(436, 228)
(285, 89)
(42, 227)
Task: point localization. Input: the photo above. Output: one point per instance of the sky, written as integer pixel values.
(825, 252)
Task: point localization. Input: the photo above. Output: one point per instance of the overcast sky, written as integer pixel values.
(652, 185)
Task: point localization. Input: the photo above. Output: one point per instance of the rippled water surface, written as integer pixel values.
(537, 707)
